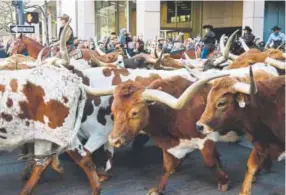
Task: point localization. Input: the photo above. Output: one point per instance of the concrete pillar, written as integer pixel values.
(148, 18)
(86, 19)
(50, 25)
(128, 15)
(59, 13)
(253, 16)
(43, 32)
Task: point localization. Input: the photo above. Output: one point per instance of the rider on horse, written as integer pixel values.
(209, 41)
(248, 37)
(69, 35)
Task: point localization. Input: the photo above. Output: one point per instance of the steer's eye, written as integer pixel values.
(134, 114)
(221, 104)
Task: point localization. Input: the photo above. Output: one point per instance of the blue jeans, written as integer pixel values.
(204, 53)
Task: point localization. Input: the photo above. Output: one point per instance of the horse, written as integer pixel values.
(24, 44)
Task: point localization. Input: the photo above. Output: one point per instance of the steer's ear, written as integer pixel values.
(242, 100)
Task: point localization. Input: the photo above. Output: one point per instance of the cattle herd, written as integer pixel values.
(49, 106)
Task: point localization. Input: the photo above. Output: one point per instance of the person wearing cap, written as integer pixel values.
(209, 41)
(277, 37)
(69, 34)
(248, 37)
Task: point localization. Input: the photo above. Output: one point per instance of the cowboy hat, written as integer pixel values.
(247, 28)
(208, 26)
(64, 17)
(275, 28)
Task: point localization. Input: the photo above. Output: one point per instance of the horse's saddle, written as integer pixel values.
(76, 54)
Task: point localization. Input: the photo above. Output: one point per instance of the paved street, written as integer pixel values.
(135, 176)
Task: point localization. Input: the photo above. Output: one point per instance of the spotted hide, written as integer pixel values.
(39, 104)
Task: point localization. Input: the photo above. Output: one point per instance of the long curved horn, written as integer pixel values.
(280, 45)
(155, 53)
(177, 103)
(222, 48)
(243, 44)
(226, 49)
(187, 57)
(98, 50)
(98, 92)
(39, 57)
(276, 63)
(249, 89)
(63, 47)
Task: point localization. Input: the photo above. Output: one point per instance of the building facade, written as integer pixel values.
(154, 18)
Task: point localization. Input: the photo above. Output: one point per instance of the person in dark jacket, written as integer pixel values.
(248, 37)
(69, 34)
(209, 41)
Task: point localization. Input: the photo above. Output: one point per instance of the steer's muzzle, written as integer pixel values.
(116, 142)
(203, 128)
(199, 127)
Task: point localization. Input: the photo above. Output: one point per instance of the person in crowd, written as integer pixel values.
(122, 38)
(276, 38)
(91, 44)
(209, 41)
(69, 35)
(129, 44)
(248, 37)
(139, 45)
(76, 42)
(110, 43)
(86, 44)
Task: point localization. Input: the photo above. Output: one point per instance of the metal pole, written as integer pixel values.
(20, 12)
(46, 22)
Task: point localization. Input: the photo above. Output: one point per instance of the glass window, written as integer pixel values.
(178, 11)
(111, 16)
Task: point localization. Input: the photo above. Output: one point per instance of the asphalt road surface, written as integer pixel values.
(134, 176)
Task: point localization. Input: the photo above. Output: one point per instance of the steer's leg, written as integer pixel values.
(107, 173)
(56, 165)
(37, 171)
(41, 148)
(88, 167)
(169, 166)
(254, 162)
(211, 159)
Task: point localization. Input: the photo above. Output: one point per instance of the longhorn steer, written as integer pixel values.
(97, 121)
(271, 56)
(261, 116)
(173, 131)
(45, 110)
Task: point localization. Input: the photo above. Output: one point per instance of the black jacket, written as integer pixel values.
(70, 41)
(249, 39)
(209, 40)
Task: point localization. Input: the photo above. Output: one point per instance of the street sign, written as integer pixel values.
(22, 29)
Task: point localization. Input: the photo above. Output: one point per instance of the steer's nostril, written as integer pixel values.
(199, 127)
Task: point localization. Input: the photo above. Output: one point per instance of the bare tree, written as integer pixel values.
(7, 16)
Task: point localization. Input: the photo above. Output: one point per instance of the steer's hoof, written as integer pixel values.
(244, 193)
(154, 191)
(26, 191)
(96, 192)
(222, 187)
(103, 178)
